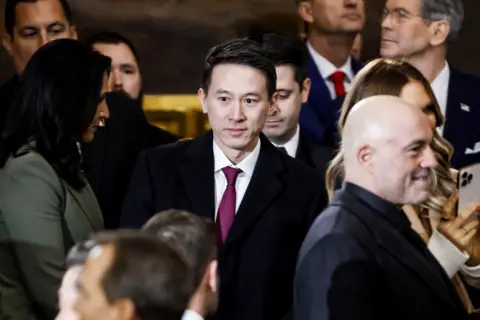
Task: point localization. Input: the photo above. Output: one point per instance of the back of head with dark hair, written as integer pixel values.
(11, 5)
(111, 38)
(283, 49)
(148, 272)
(244, 52)
(192, 236)
(56, 101)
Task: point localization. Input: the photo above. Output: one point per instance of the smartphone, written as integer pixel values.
(468, 186)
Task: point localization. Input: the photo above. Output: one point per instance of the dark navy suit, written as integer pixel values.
(318, 113)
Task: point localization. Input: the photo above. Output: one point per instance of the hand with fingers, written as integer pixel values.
(462, 228)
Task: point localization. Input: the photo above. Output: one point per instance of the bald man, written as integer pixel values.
(361, 259)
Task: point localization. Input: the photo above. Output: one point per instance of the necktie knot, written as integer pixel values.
(338, 78)
(283, 150)
(231, 174)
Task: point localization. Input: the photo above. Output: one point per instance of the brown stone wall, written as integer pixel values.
(173, 36)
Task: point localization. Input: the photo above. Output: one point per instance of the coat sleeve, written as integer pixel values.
(138, 205)
(32, 239)
(336, 281)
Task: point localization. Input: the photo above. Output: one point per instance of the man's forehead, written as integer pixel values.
(41, 12)
(237, 79)
(409, 5)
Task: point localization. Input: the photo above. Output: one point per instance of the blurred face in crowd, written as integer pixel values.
(101, 115)
(68, 294)
(333, 16)
(36, 23)
(282, 122)
(125, 72)
(416, 94)
(404, 32)
(237, 103)
(92, 302)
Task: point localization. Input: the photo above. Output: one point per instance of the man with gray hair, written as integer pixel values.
(419, 31)
(361, 259)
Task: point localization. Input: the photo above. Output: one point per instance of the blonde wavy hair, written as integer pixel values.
(388, 77)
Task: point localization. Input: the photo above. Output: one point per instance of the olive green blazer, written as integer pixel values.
(41, 217)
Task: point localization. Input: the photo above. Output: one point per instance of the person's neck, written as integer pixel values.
(430, 63)
(285, 138)
(237, 156)
(335, 47)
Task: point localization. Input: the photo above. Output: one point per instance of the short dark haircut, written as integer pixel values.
(78, 254)
(189, 234)
(10, 16)
(244, 52)
(55, 103)
(283, 49)
(112, 38)
(149, 272)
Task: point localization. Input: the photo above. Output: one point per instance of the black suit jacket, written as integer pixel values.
(111, 157)
(356, 263)
(315, 156)
(257, 261)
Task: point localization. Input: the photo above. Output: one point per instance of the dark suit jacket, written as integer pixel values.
(111, 157)
(315, 156)
(363, 261)
(317, 113)
(257, 261)
(462, 127)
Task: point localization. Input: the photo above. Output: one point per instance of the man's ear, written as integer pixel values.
(202, 95)
(365, 154)
(305, 11)
(7, 43)
(124, 309)
(439, 31)
(306, 85)
(212, 274)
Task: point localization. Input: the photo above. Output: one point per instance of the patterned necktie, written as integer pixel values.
(226, 210)
(338, 79)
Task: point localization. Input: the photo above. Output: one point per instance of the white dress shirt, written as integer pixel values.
(247, 166)
(440, 90)
(292, 145)
(326, 69)
(191, 315)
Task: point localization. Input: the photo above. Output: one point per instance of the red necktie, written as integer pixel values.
(226, 210)
(338, 78)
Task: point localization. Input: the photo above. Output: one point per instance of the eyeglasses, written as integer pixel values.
(399, 15)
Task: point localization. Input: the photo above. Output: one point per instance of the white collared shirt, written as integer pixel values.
(191, 315)
(247, 166)
(292, 145)
(440, 90)
(326, 69)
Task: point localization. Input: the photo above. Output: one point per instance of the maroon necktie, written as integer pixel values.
(338, 78)
(226, 210)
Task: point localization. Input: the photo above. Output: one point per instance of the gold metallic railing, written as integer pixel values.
(179, 114)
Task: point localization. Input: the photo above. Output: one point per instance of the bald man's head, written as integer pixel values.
(386, 147)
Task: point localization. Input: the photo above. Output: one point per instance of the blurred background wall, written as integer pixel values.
(173, 36)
